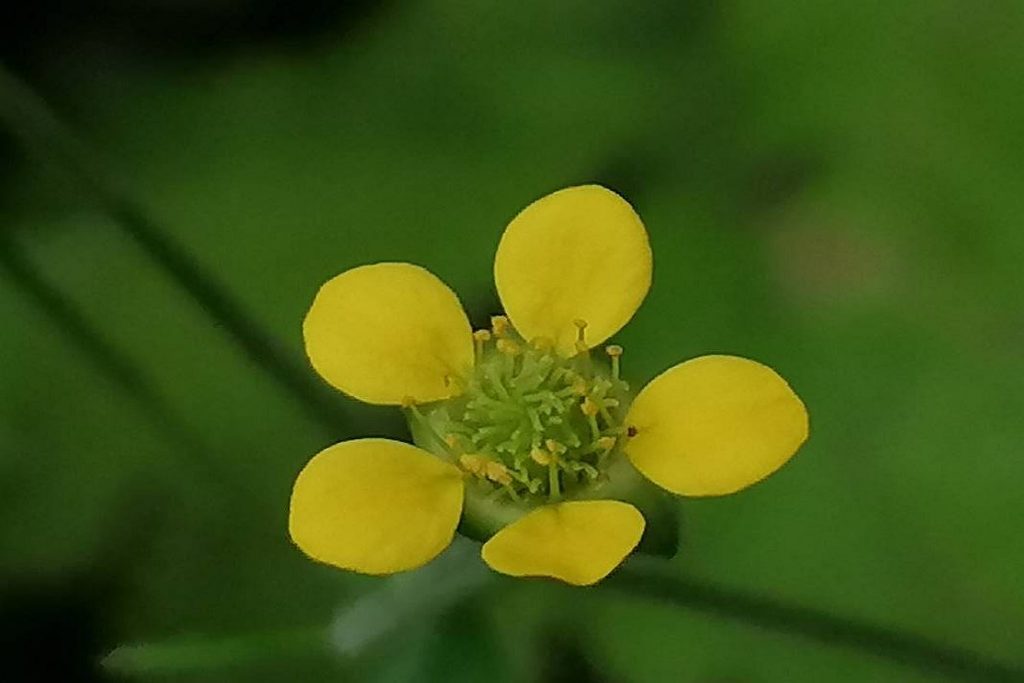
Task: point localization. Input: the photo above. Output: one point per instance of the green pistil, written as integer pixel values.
(549, 421)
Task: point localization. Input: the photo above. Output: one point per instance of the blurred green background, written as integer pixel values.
(833, 188)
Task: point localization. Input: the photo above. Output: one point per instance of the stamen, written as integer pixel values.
(615, 352)
(507, 347)
(498, 473)
(500, 325)
(554, 489)
(581, 338)
(589, 407)
(541, 456)
(555, 447)
(581, 327)
(510, 350)
(480, 339)
(474, 464)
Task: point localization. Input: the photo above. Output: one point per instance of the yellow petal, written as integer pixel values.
(389, 331)
(578, 254)
(375, 506)
(579, 542)
(714, 425)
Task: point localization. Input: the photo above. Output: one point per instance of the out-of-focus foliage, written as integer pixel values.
(832, 188)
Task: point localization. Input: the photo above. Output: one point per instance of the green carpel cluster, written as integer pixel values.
(531, 424)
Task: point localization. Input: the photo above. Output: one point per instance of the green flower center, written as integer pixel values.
(529, 424)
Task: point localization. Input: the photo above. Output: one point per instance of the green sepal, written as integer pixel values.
(659, 508)
(661, 535)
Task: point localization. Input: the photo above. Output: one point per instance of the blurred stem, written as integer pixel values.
(397, 602)
(33, 123)
(459, 575)
(197, 654)
(643, 580)
(117, 367)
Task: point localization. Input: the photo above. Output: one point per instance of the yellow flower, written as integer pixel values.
(524, 436)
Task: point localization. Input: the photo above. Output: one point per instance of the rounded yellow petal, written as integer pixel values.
(579, 542)
(714, 425)
(387, 332)
(578, 254)
(375, 506)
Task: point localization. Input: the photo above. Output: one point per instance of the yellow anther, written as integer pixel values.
(554, 447)
(581, 327)
(473, 464)
(606, 443)
(615, 351)
(507, 347)
(541, 456)
(590, 407)
(500, 325)
(497, 472)
(579, 386)
(452, 440)
(480, 338)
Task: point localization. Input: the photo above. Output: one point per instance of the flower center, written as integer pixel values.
(529, 424)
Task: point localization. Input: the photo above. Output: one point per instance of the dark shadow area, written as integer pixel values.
(190, 30)
(58, 628)
(565, 661)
